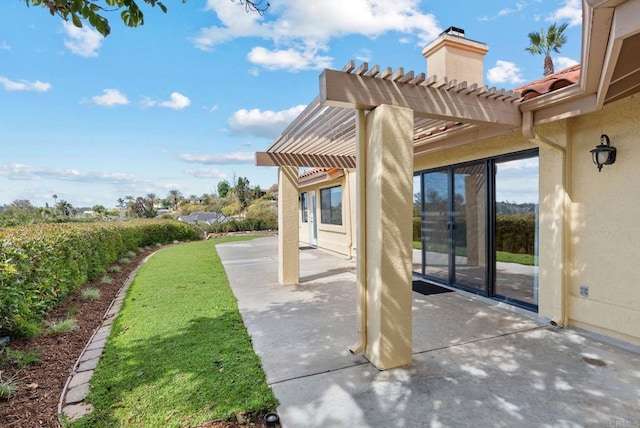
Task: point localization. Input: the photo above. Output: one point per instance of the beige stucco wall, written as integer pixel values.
(605, 236)
(589, 221)
(338, 238)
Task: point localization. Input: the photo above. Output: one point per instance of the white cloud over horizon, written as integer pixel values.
(505, 72)
(24, 85)
(177, 101)
(508, 11)
(562, 62)
(111, 97)
(288, 59)
(18, 171)
(571, 11)
(84, 41)
(300, 30)
(235, 158)
(206, 173)
(264, 124)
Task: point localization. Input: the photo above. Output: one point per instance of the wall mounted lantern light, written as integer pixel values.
(603, 154)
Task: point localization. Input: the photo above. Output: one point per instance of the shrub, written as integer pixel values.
(8, 387)
(106, 279)
(72, 310)
(91, 293)
(41, 264)
(19, 358)
(64, 326)
(417, 234)
(516, 233)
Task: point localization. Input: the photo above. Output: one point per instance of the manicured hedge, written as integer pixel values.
(41, 264)
(244, 225)
(515, 233)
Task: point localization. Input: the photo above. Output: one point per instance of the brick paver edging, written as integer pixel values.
(76, 388)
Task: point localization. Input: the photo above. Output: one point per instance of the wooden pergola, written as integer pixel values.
(447, 114)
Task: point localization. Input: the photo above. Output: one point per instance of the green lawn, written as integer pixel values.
(179, 353)
(501, 256)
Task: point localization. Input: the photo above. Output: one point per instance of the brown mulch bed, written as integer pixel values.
(40, 385)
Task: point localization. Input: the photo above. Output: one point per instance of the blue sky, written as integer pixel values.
(184, 101)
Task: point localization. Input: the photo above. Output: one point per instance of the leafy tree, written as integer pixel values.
(92, 11)
(264, 210)
(243, 191)
(544, 42)
(223, 188)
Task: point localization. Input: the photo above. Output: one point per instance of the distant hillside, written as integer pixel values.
(511, 208)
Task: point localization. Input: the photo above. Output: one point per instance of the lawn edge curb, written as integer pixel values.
(106, 317)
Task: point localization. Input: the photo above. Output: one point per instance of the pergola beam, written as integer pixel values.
(349, 90)
(304, 160)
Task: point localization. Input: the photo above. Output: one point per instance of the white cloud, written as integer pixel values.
(4, 46)
(16, 171)
(110, 98)
(265, 124)
(561, 62)
(82, 41)
(571, 11)
(177, 102)
(305, 28)
(509, 11)
(364, 55)
(505, 72)
(288, 59)
(23, 85)
(206, 173)
(236, 158)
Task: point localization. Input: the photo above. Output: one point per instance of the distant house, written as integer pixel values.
(208, 218)
(443, 147)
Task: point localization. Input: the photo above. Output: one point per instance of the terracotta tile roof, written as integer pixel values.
(562, 78)
(313, 172)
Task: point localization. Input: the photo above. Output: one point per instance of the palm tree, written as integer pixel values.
(64, 207)
(151, 199)
(174, 196)
(120, 202)
(546, 41)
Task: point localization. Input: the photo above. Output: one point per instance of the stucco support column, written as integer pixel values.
(288, 229)
(552, 233)
(389, 203)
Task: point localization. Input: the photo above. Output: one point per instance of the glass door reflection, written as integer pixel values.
(435, 225)
(516, 226)
(470, 227)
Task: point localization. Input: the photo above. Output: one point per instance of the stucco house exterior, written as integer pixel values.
(388, 145)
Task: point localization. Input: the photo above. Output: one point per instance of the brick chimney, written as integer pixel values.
(454, 56)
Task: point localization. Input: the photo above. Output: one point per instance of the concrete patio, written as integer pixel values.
(475, 362)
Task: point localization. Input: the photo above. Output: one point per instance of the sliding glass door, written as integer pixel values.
(516, 274)
(454, 226)
(478, 230)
